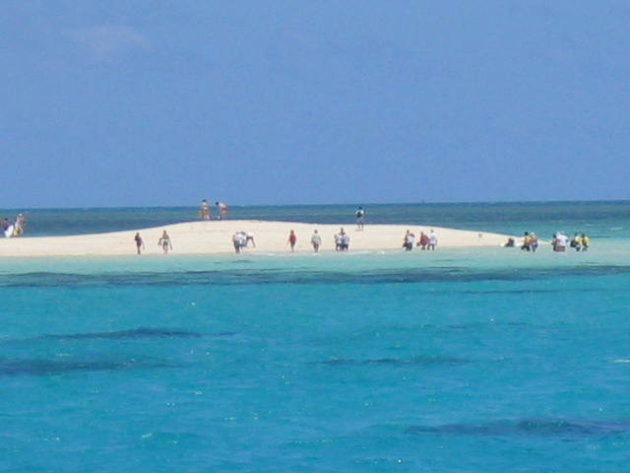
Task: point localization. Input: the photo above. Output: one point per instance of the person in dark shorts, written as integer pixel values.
(360, 215)
(139, 243)
(165, 242)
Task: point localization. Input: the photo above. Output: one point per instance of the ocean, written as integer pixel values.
(458, 360)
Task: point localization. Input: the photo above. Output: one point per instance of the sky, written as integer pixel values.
(161, 102)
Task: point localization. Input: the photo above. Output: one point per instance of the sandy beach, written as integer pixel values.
(215, 237)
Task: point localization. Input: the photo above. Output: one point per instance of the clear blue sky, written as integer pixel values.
(156, 102)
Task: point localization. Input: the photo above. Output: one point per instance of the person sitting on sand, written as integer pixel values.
(165, 242)
(292, 240)
(510, 243)
(408, 240)
(222, 210)
(139, 243)
(316, 241)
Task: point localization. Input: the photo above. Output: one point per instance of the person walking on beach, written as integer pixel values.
(316, 241)
(292, 240)
(165, 242)
(204, 210)
(139, 243)
(222, 210)
(360, 215)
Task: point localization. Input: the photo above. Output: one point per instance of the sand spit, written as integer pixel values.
(215, 237)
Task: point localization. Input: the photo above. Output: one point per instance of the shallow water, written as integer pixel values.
(486, 360)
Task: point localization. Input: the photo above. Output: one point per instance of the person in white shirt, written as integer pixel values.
(433, 240)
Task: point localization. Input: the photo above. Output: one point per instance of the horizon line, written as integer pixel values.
(429, 203)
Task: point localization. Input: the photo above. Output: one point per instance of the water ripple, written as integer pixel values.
(272, 276)
(530, 427)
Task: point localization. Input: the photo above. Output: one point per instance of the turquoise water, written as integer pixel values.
(486, 360)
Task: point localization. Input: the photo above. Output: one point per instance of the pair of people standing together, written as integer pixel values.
(206, 214)
(164, 242)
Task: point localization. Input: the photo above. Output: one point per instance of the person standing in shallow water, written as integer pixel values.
(139, 243)
(165, 242)
(292, 240)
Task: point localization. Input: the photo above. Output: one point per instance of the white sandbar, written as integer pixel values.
(215, 237)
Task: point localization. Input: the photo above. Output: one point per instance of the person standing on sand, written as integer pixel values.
(423, 242)
(316, 241)
(222, 210)
(433, 240)
(292, 240)
(342, 240)
(360, 215)
(139, 243)
(408, 240)
(165, 242)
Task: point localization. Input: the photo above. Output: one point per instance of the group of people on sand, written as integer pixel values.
(425, 242)
(14, 229)
(579, 242)
(205, 212)
(241, 240)
(530, 242)
(341, 238)
(559, 242)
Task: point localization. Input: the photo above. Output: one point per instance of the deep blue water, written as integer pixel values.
(458, 361)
